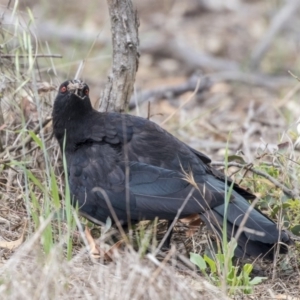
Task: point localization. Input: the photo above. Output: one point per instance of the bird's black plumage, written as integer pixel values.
(162, 171)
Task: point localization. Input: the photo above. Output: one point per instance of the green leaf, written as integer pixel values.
(236, 158)
(198, 261)
(231, 275)
(211, 263)
(35, 181)
(247, 269)
(283, 147)
(54, 190)
(296, 230)
(36, 209)
(231, 247)
(220, 258)
(257, 280)
(36, 139)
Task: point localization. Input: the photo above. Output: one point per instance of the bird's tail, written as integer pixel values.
(256, 234)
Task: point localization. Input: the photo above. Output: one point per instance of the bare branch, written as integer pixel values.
(35, 56)
(124, 27)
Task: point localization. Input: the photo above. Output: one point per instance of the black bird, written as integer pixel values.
(107, 152)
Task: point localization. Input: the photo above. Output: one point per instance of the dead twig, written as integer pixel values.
(174, 221)
(184, 103)
(169, 92)
(293, 75)
(250, 167)
(35, 56)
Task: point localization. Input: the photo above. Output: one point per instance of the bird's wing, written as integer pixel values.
(146, 142)
(162, 192)
(96, 176)
(141, 140)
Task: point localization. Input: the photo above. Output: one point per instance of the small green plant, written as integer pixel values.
(43, 201)
(222, 270)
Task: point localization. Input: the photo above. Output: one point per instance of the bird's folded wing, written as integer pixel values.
(157, 192)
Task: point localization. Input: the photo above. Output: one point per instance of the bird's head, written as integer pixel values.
(73, 87)
(72, 97)
(71, 106)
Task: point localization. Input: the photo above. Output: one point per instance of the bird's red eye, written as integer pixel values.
(86, 91)
(63, 89)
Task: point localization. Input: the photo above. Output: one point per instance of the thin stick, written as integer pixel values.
(149, 108)
(183, 104)
(112, 211)
(293, 75)
(249, 167)
(35, 56)
(174, 221)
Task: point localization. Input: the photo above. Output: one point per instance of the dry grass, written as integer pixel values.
(31, 275)
(258, 118)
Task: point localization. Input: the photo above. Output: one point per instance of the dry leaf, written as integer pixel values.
(193, 221)
(109, 255)
(189, 219)
(45, 87)
(96, 252)
(14, 244)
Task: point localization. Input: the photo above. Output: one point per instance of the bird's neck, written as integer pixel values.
(69, 120)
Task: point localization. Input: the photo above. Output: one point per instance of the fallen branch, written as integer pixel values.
(250, 167)
(170, 92)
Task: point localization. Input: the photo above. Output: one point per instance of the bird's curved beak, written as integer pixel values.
(76, 87)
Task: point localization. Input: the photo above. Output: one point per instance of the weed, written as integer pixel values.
(223, 271)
